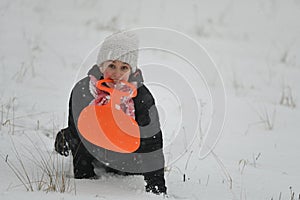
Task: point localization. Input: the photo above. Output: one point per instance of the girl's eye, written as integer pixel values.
(112, 66)
(124, 68)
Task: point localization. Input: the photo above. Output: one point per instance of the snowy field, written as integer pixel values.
(255, 45)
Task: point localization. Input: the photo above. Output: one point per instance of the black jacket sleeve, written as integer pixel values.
(80, 98)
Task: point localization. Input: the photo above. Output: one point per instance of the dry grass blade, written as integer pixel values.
(15, 170)
(49, 177)
(22, 166)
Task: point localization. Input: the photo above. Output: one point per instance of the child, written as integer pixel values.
(117, 61)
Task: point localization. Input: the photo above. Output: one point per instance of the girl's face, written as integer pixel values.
(116, 70)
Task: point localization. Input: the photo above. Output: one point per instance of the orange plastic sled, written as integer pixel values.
(107, 126)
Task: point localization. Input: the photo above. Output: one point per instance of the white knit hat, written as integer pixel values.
(121, 46)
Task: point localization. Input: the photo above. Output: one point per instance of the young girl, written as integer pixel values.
(117, 62)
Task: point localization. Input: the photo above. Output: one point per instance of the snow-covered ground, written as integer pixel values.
(255, 45)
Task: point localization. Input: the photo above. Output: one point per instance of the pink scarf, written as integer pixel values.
(102, 98)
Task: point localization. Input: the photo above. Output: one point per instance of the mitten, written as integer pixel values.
(61, 143)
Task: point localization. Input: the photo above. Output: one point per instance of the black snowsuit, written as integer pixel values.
(147, 160)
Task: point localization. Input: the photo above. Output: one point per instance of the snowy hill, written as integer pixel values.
(46, 46)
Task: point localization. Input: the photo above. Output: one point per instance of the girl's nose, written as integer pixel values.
(117, 74)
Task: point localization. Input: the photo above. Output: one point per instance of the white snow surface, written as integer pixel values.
(255, 45)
